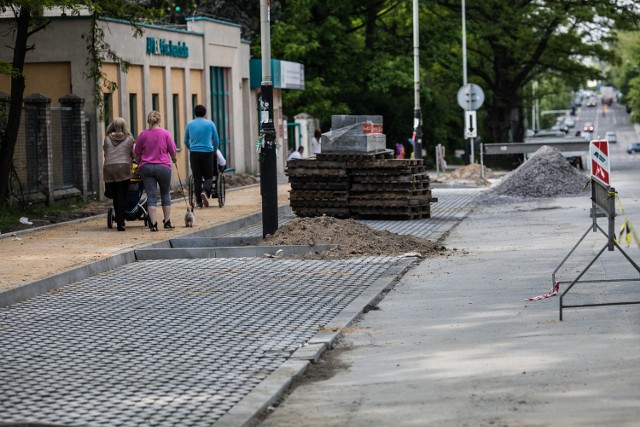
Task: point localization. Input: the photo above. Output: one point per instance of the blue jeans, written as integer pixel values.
(152, 176)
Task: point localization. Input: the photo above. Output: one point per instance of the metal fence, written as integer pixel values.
(63, 149)
(48, 160)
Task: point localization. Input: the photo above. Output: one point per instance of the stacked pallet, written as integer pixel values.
(364, 185)
(390, 189)
(319, 187)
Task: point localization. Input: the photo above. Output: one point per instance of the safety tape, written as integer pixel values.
(552, 293)
(626, 229)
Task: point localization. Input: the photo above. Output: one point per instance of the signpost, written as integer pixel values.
(470, 124)
(603, 197)
(470, 98)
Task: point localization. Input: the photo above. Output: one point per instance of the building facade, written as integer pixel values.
(171, 70)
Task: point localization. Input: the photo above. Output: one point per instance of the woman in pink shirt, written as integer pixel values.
(155, 150)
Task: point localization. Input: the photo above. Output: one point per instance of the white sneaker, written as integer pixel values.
(205, 201)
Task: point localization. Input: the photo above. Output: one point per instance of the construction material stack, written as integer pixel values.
(357, 176)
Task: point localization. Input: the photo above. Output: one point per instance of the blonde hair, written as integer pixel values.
(118, 125)
(153, 118)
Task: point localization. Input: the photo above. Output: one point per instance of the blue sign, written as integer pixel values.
(166, 48)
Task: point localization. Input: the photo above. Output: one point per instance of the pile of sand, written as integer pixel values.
(470, 174)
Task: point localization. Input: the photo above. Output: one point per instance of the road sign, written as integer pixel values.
(470, 97)
(600, 168)
(470, 124)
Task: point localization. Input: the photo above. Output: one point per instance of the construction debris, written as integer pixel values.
(545, 174)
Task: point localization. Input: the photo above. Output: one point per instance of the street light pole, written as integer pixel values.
(417, 113)
(268, 158)
(464, 74)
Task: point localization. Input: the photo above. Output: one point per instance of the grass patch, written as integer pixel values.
(38, 213)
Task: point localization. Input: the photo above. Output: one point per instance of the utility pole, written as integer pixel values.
(417, 114)
(268, 158)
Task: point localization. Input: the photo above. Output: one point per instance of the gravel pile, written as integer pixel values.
(546, 174)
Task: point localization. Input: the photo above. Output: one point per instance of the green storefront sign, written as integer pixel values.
(166, 48)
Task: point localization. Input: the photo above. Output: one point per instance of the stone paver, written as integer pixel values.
(179, 342)
(154, 342)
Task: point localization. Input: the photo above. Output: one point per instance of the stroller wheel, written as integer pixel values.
(110, 218)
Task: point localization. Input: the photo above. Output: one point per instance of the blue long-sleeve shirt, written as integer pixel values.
(201, 136)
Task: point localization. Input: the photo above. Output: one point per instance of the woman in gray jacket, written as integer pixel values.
(118, 157)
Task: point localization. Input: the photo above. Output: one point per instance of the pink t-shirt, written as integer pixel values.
(155, 146)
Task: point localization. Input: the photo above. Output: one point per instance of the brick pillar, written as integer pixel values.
(40, 130)
(4, 106)
(79, 141)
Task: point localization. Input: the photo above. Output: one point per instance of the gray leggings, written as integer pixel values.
(152, 176)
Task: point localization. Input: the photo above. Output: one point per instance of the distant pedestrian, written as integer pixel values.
(316, 141)
(201, 139)
(297, 154)
(155, 150)
(118, 157)
(408, 149)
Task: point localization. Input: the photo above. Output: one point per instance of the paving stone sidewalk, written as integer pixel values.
(182, 342)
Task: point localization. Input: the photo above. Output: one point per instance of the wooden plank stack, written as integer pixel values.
(361, 185)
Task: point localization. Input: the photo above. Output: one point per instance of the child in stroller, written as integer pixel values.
(136, 204)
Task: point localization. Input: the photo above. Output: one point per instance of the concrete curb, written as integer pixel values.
(227, 252)
(247, 411)
(265, 394)
(37, 287)
(370, 297)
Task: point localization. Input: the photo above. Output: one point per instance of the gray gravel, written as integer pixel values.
(545, 174)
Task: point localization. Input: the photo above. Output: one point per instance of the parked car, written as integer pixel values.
(588, 127)
(611, 137)
(569, 121)
(634, 147)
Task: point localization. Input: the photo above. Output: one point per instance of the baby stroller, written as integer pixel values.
(136, 203)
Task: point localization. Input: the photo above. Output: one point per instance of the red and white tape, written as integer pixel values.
(552, 293)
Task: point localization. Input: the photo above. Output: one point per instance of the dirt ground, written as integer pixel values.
(45, 251)
(352, 238)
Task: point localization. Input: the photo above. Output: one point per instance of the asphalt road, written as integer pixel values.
(455, 343)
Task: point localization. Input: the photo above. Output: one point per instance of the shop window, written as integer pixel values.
(107, 109)
(133, 113)
(176, 119)
(155, 102)
(194, 102)
(220, 107)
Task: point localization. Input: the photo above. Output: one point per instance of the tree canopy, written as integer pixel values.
(358, 57)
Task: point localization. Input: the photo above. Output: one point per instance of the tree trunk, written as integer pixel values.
(8, 146)
(505, 118)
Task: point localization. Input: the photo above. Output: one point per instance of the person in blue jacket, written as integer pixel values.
(201, 139)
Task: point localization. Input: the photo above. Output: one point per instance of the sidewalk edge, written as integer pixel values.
(37, 287)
